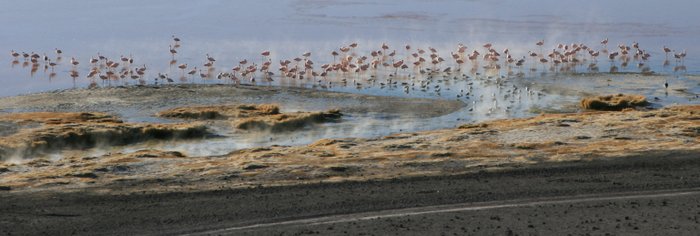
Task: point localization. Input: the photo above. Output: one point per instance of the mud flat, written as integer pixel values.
(141, 102)
(37, 133)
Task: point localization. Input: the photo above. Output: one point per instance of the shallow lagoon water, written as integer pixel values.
(234, 30)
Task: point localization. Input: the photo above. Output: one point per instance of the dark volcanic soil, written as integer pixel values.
(88, 212)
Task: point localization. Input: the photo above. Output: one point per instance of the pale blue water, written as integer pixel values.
(233, 30)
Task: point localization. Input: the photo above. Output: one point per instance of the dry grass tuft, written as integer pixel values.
(287, 122)
(613, 102)
(221, 112)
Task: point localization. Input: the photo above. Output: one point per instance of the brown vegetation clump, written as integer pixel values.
(613, 102)
(221, 111)
(287, 122)
(254, 117)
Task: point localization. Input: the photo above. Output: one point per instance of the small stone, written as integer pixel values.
(84, 175)
(254, 166)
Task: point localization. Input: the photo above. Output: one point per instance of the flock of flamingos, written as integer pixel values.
(348, 64)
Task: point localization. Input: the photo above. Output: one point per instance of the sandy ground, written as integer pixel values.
(553, 155)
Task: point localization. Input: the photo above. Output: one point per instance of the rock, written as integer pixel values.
(84, 175)
(441, 154)
(397, 146)
(254, 166)
(470, 126)
(689, 131)
(339, 168)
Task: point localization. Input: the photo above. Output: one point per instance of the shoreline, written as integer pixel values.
(545, 156)
(486, 146)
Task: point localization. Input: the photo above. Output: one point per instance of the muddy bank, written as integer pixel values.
(288, 122)
(38, 133)
(494, 145)
(140, 102)
(262, 117)
(221, 111)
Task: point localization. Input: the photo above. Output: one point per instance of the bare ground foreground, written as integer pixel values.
(629, 172)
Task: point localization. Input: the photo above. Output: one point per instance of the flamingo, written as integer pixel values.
(604, 42)
(203, 75)
(666, 50)
(172, 51)
(211, 59)
(683, 55)
(396, 66)
(264, 54)
(334, 54)
(52, 64)
(595, 54)
(74, 62)
(182, 67)
(124, 59)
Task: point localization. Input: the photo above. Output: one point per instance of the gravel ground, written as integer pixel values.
(93, 212)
